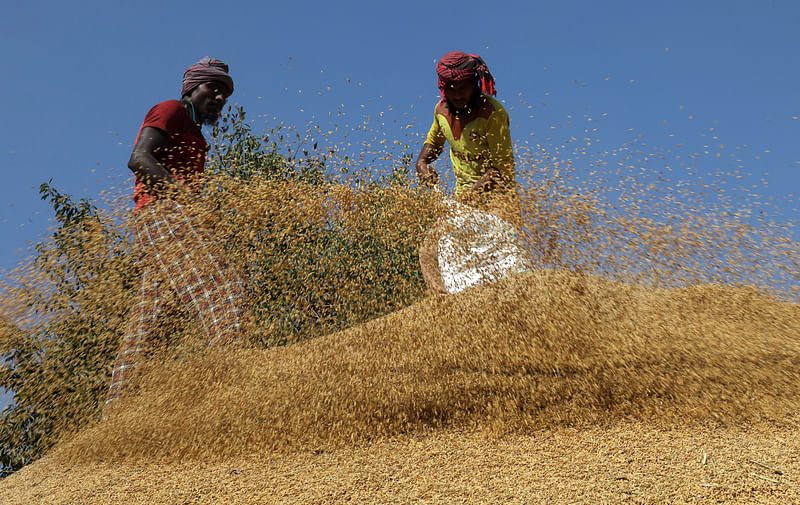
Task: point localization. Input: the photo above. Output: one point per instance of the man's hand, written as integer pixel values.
(427, 175)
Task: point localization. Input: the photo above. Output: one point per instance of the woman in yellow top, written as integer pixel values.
(474, 124)
(477, 128)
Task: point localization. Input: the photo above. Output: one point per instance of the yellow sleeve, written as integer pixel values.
(435, 134)
(501, 151)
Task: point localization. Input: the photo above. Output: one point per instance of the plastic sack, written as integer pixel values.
(473, 248)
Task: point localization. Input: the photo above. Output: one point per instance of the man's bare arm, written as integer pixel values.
(427, 155)
(144, 164)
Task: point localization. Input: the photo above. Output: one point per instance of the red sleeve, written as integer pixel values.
(169, 117)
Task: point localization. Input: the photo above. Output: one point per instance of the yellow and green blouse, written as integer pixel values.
(478, 141)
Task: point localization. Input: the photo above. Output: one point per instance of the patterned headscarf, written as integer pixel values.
(457, 65)
(206, 70)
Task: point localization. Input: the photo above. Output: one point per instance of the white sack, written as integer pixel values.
(477, 247)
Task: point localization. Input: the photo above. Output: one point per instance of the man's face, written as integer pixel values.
(461, 93)
(209, 98)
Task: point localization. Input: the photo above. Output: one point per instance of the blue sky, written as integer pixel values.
(78, 78)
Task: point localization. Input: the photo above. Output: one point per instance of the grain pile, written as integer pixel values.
(547, 358)
(544, 349)
(625, 463)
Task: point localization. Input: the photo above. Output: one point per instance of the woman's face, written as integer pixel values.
(461, 93)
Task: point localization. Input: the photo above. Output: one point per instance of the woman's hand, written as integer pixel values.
(426, 174)
(488, 182)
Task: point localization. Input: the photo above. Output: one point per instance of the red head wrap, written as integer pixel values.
(206, 70)
(457, 65)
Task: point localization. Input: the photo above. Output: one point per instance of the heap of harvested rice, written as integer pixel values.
(481, 391)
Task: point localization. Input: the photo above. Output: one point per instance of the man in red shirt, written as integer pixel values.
(177, 254)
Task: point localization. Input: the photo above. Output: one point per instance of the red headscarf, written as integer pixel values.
(457, 65)
(206, 70)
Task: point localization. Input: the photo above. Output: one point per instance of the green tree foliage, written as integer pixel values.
(57, 357)
(317, 254)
